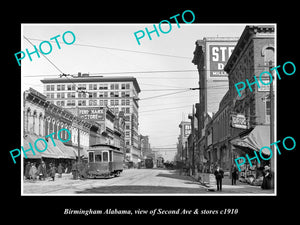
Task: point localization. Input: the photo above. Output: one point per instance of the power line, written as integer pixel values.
(149, 71)
(157, 96)
(160, 85)
(120, 49)
(171, 89)
(154, 110)
(45, 56)
(124, 72)
(62, 73)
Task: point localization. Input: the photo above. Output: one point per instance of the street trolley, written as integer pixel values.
(104, 161)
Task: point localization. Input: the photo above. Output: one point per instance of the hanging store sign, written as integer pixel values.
(91, 113)
(239, 121)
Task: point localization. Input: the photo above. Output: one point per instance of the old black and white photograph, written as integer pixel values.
(144, 112)
(172, 108)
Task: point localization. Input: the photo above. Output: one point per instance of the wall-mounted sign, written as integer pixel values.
(218, 56)
(239, 121)
(91, 113)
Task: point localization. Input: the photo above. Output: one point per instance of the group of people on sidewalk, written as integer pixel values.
(32, 173)
(219, 175)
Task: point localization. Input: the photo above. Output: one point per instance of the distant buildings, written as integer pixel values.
(182, 144)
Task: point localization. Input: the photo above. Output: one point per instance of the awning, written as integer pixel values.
(29, 154)
(68, 152)
(48, 153)
(59, 151)
(255, 140)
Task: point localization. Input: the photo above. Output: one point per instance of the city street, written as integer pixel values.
(135, 181)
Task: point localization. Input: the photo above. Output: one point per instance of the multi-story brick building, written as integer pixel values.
(250, 58)
(241, 124)
(210, 57)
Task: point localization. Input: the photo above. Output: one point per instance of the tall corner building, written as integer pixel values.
(210, 57)
(84, 93)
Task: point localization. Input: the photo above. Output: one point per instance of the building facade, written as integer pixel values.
(145, 145)
(210, 56)
(182, 145)
(42, 118)
(250, 58)
(241, 124)
(98, 92)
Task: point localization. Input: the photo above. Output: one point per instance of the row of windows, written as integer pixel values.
(72, 87)
(93, 102)
(112, 94)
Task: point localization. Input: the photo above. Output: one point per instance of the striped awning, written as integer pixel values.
(58, 151)
(259, 137)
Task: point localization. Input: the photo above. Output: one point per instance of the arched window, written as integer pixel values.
(34, 115)
(27, 115)
(268, 53)
(40, 124)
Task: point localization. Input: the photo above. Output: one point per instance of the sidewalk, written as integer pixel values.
(239, 188)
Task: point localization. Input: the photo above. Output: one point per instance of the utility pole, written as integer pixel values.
(271, 116)
(193, 139)
(78, 138)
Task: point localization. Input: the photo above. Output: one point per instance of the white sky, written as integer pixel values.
(161, 125)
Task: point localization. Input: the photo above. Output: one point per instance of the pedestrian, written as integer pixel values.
(42, 171)
(27, 169)
(219, 174)
(33, 172)
(234, 175)
(267, 177)
(74, 170)
(60, 170)
(52, 171)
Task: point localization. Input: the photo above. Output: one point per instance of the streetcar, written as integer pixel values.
(149, 162)
(104, 161)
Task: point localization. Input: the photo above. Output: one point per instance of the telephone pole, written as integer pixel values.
(78, 137)
(271, 115)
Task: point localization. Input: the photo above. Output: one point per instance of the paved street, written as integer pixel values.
(134, 181)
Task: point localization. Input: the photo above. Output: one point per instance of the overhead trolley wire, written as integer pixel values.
(62, 73)
(157, 96)
(44, 56)
(120, 49)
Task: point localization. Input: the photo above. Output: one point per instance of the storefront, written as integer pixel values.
(253, 141)
(59, 153)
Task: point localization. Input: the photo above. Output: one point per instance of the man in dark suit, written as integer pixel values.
(219, 174)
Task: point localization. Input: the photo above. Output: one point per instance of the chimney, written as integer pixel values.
(79, 74)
